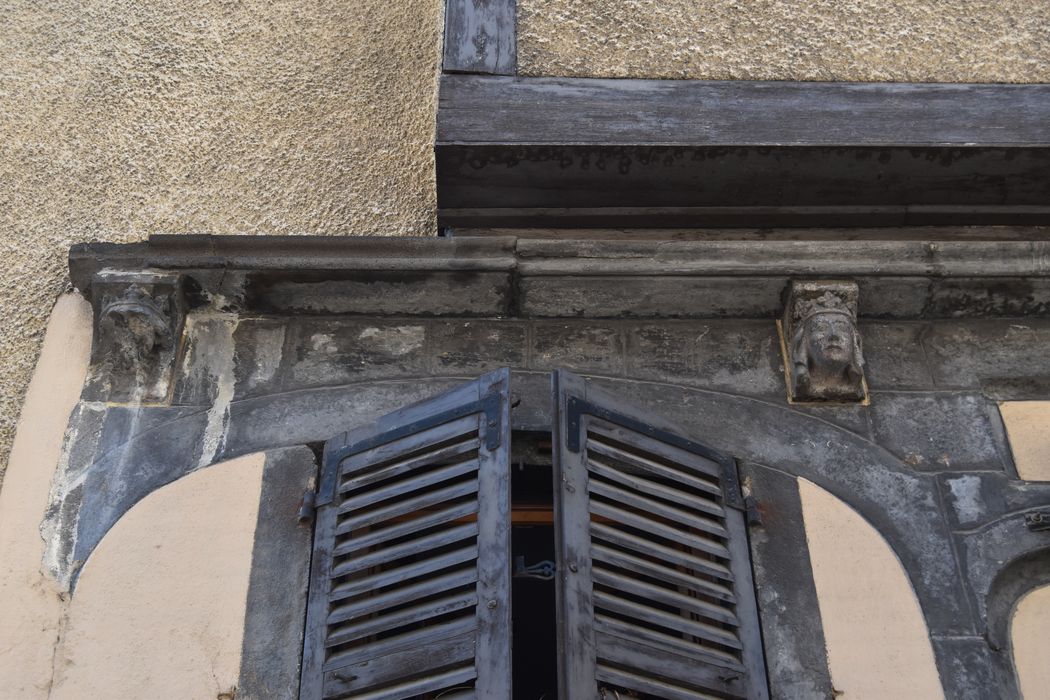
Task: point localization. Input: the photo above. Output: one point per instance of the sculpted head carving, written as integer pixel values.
(138, 322)
(137, 328)
(820, 328)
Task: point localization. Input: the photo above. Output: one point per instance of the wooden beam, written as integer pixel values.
(578, 111)
(554, 152)
(481, 37)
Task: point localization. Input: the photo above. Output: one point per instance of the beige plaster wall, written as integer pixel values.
(881, 40)
(31, 603)
(1028, 635)
(1028, 429)
(120, 119)
(159, 607)
(877, 641)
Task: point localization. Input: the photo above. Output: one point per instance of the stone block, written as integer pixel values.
(259, 347)
(894, 357)
(973, 353)
(660, 297)
(334, 352)
(473, 347)
(939, 432)
(740, 357)
(582, 347)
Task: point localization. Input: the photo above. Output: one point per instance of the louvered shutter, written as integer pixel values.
(655, 592)
(410, 580)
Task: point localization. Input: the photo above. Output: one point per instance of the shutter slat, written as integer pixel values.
(672, 644)
(653, 527)
(403, 447)
(365, 675)
(405, 549)
(672, 556)
(653, 488)
(656, 508)
(411, 689)
(410, 505)
(686, 461)
(433, 636)
(417, 613)
(405, 594)
(655, 688)
(657, 617)
(417, 482)
(408, 527)
(654, 579)
(622, 560)
(399, 468)
(653, 468)
(403, 573)
(410, 537)
(660, 663)
(663, 595)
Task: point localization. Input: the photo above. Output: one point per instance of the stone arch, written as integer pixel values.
(899, 503)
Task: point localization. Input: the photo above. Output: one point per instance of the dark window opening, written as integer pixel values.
(534, 630)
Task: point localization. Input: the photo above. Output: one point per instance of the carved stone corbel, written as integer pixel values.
(138, 323)
(823, 358)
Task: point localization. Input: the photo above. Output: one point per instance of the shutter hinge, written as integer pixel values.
(491, 406)
(754, 514)
(731, 488)
(307, 508)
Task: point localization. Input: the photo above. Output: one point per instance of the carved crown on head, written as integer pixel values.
(826, 303)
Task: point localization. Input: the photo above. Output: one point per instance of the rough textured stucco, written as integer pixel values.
(159, 608)
(1028, 635)
(31, 603)
(871, 617)
(1028, 428)
(122, 119)
(858, 40)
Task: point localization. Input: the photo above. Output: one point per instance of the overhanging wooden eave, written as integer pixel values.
(558, 152)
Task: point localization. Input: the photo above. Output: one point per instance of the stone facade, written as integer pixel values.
(923, 469)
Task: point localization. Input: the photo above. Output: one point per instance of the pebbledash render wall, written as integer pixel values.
(124, 119)
(973, 41)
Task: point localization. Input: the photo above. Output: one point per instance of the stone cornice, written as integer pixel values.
(507, 276)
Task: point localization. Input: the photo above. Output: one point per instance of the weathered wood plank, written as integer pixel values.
(481, 36)
(910, 233)
(555, 152)
(580, 111)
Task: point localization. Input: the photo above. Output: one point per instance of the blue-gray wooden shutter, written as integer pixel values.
(654, 582)
(410, 579)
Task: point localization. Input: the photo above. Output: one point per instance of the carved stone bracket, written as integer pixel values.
(138, 323)
(822, 348)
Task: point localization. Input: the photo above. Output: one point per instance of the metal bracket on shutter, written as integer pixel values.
(734, 495)
(489, 405)
(576, 407)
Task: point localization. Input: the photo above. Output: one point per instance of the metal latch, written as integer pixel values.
(542, 570)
